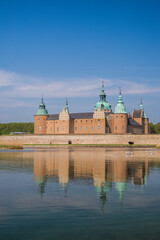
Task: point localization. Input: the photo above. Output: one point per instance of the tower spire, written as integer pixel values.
(120, 108)
(42, 108)
(42, 99)
(66, 107)
(102, 85)
(141, 104)
(102, 101)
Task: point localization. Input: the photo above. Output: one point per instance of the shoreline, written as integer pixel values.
(50, 146)
(54, 146)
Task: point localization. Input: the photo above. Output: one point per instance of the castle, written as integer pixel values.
(102, 121)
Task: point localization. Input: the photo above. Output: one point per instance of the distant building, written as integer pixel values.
(101, 121)
(18, 133)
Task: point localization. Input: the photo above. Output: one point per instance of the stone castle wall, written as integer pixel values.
(80, 139)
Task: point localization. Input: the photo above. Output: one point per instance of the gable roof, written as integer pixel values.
(53, 117)
(132, 122)
(86, 115)
(137, 113)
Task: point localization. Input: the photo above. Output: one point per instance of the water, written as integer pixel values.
(92, 193)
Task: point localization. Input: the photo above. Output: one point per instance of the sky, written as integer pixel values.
(64, 49)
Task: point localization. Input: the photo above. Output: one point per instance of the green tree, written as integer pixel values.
(157, 127)
(152, 128)
(7, 128)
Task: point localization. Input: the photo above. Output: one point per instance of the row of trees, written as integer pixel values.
(7, 128)
(154, 128)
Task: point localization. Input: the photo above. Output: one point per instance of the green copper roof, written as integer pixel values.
(141, 108)
(102, 103)
(42, 109)
(120, 108)
(145, 115)
(141, 105)
(66, 107)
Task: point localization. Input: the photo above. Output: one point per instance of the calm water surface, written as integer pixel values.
(80, 194)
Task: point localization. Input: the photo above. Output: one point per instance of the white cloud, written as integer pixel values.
(20, 87)
(7, 78)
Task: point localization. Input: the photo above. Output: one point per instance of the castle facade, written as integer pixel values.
(101, 121)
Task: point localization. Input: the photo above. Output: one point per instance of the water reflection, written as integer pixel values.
(104, 169)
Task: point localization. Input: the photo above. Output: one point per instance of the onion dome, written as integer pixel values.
(102, 103)
(42, 109)
(120, 108)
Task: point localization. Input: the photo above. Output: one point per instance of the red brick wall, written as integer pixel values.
(89, 126)
(110, 123)
(135, 129)
(146, 126)
(50, 127)
(61, 126)
(120, 123)
(40, 124)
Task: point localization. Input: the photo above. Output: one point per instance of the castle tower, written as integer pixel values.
(40, 119)
(120, 116)
(145, 121)
(102, 103)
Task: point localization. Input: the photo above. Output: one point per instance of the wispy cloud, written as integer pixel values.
(16, 86)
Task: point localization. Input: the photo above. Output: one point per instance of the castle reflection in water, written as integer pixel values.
(105, 169)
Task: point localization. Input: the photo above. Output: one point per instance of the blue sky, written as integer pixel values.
(65, 48)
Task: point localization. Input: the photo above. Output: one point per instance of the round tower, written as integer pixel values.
(40, 119)
(120, 116)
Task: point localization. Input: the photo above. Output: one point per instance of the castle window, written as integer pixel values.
(121, 116)
(40, 128)
(86, 128)
(116, 128)
(91, 121)
(81, 120)
(51, 129)
(116, 116)
(63, 120)
(99, 128)
(86, 120)
(63, 128)
(92, 128)
(57, 129)
(75, 128)
(46, 127)
(98, 120)
(81, 128)
(123, 128)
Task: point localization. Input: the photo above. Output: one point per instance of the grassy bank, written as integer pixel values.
(94, 145)
(5, 146)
